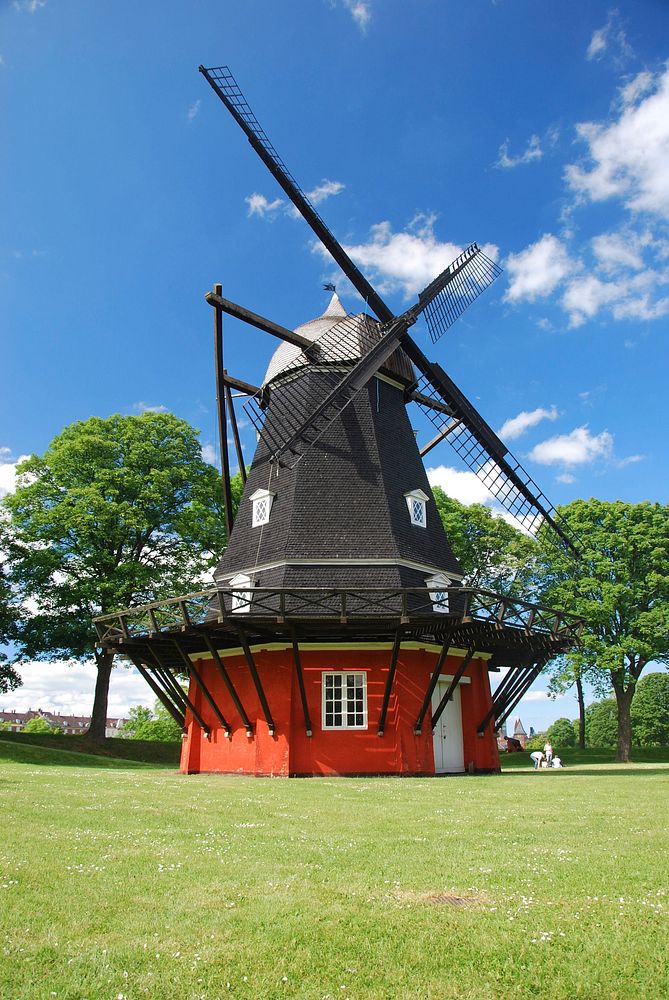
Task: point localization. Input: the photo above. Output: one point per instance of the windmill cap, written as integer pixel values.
(290, 356)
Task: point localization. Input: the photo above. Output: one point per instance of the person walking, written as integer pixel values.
(537, 757)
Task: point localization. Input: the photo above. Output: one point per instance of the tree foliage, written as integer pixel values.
(39, 725)
(620, 585)
(145, 724)
(117, 511)
(601, 723)
(561, 733)
(493, 554)
(9, 679)
(650, 711)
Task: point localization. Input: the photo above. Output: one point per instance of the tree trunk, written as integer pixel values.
(581, 712)
(104, 661)
(624, 697)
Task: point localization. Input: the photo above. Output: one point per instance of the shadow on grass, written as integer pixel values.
(591, 771)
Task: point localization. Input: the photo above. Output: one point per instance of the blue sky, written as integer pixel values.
(540, 130)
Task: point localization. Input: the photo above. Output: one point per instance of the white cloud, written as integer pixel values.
(463, 486)
(405, 261)
(8, 471)
(620, 250)
(209, 453)
(67, 687)
(537, 696)
(636, 87)
(585, 296)
(575, 448)
(259, 205)
(361, 12)
(533, 151)
(326, 189)
(29, 6)
(565, 477)
(610, 39)
(193, 111)
(516, 426)
(630, 460)
(142, 407)
(629, 156)
(537, 271)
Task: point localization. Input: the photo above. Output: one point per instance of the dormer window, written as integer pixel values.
(241, 595)
(438, 587)
(262, 506)
(416, 502)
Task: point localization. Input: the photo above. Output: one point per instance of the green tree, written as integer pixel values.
(144, 724)
(620, 584)
(493, 554)
(39, 725)
(561, 733)
(601, 723)
(118, 511)
(9, 679)
(650, 711)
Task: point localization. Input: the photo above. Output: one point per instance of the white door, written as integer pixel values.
(449, 754)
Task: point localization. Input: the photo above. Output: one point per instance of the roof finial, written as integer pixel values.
(329, 286)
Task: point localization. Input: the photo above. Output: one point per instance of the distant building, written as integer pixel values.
(71, 725)
(519, 732)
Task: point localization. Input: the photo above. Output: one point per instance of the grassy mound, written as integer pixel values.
(82, 752)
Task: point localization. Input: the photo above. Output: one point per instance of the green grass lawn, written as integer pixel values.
(131, 881)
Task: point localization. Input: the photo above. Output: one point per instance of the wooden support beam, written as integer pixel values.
(190, 666)
(159, 692)
(194, 712)
(216, 300)
(222, 421)
(389, 682)
(432, 685)
(534, 673)
(457, 677)
(438, 438)
(235, 431)
(248, 725)
(513, 680)
(244, 387)
(256, 680)
(300, 682)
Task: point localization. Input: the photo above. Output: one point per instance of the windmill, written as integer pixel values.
(339, 636)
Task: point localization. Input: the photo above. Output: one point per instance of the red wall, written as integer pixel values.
(350, 751)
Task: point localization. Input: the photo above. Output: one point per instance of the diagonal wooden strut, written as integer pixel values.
(521, 694)
(196, 715)
(510, 683)
(248, 725)
(256, 680)
(300, 682)
(192, 669)
(389, 682)
(235, 428)
(452, 686)
(160, 693)
(431, 686)
(222, 421)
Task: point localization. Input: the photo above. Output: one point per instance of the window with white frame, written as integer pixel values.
(417, 504)
(262, 507)
(345, 700)
(241, 595)
(438, 587)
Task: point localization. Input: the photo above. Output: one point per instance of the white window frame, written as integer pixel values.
(346, 712)
(262, 501)
(240, 602)
(437, 585)
(417, 501)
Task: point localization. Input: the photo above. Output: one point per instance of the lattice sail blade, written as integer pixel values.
(472, 273)
(483, 452)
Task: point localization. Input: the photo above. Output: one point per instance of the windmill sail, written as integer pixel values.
(476, 443)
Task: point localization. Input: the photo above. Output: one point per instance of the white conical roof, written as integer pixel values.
(288, 355)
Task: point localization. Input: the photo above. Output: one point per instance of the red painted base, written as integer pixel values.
(290, 751)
